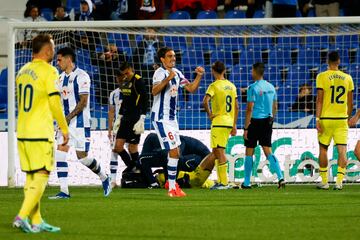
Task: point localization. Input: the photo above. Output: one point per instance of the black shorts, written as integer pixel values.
(126, 132)
(259, 130)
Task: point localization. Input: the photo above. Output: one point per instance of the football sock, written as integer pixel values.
(172, 169)
(324, 175)
(222, 172)
(125, 157)
(216, 166)
(34, 192)
(134, 157)
(94, 166)
(248, 166)
(35, 215)
(274, 164)
(340, 175)
(113, 165)
(62, 169)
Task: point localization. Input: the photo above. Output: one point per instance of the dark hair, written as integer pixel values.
(67, 52)
(259, 68)
(162, 51)
(218, 67)
(333, 57)
(28, 10)
(125, 65)
(40, 41)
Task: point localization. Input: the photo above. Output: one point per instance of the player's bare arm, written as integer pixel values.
(111, 114)
(206, 101)
(319, 106)
(236, 112)
(157, 88)
(350, 103)
(274, 108)
(354, 119)
(192, 87)
(78, 108)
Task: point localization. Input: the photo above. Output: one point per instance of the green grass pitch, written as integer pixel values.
(297, 212)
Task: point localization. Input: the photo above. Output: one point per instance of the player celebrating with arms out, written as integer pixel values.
(74, 84)
(223, 116)
(166, 81)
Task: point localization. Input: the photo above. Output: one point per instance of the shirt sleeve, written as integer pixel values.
(158, 76)
(210, 91)
(351, 84)
(84, 84)
(51, 82)
(250, 94)
(111, 99)
(319, 82)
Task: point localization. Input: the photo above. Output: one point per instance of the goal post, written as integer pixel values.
(292, 48)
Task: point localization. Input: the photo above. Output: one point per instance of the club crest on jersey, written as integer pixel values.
(65, 92)
(173, 91)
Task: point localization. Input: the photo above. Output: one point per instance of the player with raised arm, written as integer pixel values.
(223, 115)
(166, 81)
(115, 101)
(260, 112)
(132, 115)
(74, 84)
(39, 104)
(334, 104)
(352, 123)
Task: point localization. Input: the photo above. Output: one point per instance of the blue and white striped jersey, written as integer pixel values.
(71, 87)
(115, 100)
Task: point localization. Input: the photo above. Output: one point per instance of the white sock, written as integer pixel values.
(113, 166)
(172, 169)
(62, 170)
(94, 166)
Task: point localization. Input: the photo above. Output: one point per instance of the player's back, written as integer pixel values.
(223, 97)
(35, 83)
(190, 145)
(336, 85)
(263, 94)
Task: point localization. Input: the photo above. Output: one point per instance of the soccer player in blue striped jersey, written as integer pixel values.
(260, 111)
(166, 82)
(74, 84)
(115, 101)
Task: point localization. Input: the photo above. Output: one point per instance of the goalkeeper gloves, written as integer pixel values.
(139, 125)
(117, 124)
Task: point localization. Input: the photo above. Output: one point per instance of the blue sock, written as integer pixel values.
(248, 165)
(274, 164)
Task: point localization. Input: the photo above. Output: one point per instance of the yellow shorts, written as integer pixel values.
(36, 155)
(219, 136)
(333, 129)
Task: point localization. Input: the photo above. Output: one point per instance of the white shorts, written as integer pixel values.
(168, 133)
(79, 138)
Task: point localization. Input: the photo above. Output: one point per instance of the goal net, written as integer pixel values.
(294, 54)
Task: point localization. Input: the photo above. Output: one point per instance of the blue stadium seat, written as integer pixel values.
(235, 14)
(204, 43)
(250, 56)
(260, 43)
(206, 15)
(222, 55)
(122, 42)
(3, 89)
(309, 57)
(241, 76)
(73, 4)
(179, 15)
(317, 42)
(192, 57)
(175, 42)
(259, 14)
(354, 71)
(288, 42)
(276, 75)
(311, 13)
(298, 75)
(47, 13)
(83, 56)
(280, 58)
(347, 41)
(232, 43)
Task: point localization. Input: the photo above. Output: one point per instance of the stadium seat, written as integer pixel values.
(317, 42)
(235, 14)
(311, 13)
(179, 15)
(260, 43)
(122, 42)
(298, 75)
(241, 76)
(249, 57)
(206, 15)
(176, 42)
(192, 57)
(3, 89)
(232, 43)
(280, 58)
(309, 57)
(347, 41)
(73, 4)
(222, 55)
(47, 13)
(276, 75)
(204, 43)
(288, 42)
(259, 14)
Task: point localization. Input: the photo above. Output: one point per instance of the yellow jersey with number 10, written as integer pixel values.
(336, 85)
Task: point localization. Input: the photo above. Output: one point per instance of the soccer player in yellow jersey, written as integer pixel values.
(223, 115)
(38, 105)
(352, 122)
(334, 104)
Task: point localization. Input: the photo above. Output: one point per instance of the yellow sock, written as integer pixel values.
(222, 173)
(35, 215)
(216, 166)
(340, 175)
(180, 174)
(324, 175)
(33, 194)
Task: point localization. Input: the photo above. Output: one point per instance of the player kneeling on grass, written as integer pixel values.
(260, 111)
(223, 115)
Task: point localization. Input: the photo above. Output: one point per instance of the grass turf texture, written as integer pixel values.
(297, 212)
